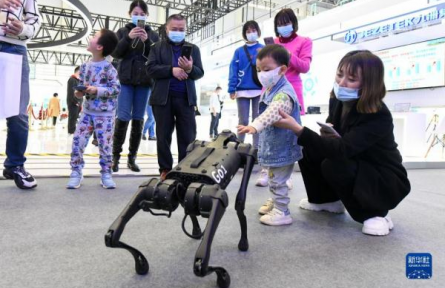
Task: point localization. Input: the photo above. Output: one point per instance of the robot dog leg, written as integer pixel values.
(197, 183)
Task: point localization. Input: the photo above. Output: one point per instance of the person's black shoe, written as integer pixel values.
(144, 137)
(131, 164)
(95, 143)
(22, 179)
(152, 138)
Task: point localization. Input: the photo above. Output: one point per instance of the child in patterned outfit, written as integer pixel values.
(102, 87)
(278, 149)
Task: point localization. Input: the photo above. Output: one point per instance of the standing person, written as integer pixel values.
(149, 125)
(299, 47)
(132, 53)
(242, 84)
(54, 108)
(358, 167)
(278, 147)
(100, 78)
(174, 95)
(74, 104)
(21, 21)
(215, 112)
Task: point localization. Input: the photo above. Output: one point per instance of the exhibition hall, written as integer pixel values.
(222, 143)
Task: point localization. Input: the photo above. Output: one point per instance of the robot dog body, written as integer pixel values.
(196, 183)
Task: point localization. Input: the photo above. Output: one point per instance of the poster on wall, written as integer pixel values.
(419, 65)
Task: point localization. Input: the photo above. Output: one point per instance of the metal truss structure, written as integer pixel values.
(199, 13)
(60, 58)
(60, 23)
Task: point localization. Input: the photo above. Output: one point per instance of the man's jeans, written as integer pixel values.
(17, 135)
(132, 102)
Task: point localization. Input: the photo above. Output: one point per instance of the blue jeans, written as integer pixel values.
(17, 135)
(243, 115)
(150, 122)
(131, 102)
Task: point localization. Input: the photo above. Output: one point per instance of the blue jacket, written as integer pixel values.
(278, 147)
(240, 74)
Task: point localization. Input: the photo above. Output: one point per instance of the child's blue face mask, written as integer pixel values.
(345, 94)
(135, 18)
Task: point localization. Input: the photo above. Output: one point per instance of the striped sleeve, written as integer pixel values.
(31, 19)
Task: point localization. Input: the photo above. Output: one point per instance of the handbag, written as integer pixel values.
(253, 67)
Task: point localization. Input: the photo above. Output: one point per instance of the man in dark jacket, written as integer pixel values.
(174, 94)
(74, 104)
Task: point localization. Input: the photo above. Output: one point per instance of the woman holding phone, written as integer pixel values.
(361, 168)
(132, 52)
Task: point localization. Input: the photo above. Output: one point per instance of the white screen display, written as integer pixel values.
(413, 66)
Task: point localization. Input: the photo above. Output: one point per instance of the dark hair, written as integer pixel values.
(252, 25)
(372, 71)
(108, 40)
(277, 52)
(55, 94)
(218, 87)
(140, 4)
(283, 17)
(176, 17)
(76, 69)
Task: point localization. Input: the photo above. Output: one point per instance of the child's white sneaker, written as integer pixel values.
(333, 207)
(267, 207)
(263, 179)
(276, 217)
(107, 181)
(76, 178)
(378, 226)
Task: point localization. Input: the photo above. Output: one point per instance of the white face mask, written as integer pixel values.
(252, 37)
(270, 78)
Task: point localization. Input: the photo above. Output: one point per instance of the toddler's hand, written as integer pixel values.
(245, 129)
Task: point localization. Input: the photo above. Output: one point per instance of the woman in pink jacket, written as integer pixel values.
(299, 47)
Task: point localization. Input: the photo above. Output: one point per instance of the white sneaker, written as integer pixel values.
(333, 207)
(263, 179)
(276, 218)
(76, 178)
(267, 207)
(289, 183)
(378, 226)
(107, 181)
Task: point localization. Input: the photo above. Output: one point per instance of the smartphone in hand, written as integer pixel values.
(328, 129)
(80, 88)
(268, 40)
(186, 51)
(141, 23)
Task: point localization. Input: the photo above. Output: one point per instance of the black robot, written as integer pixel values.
(197, 183)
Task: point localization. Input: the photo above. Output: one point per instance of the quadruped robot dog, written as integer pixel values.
(196, 183)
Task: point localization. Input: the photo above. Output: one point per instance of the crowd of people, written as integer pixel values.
(353, 165)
